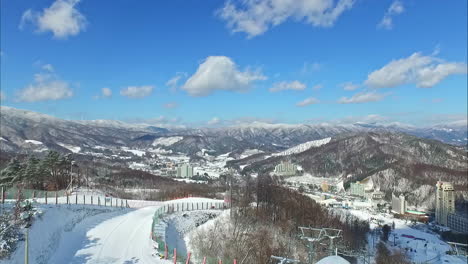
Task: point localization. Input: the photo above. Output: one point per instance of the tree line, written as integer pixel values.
(51, 172)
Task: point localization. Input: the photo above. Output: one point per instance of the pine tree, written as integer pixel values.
(11, 174)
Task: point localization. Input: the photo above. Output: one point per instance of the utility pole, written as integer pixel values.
(230, 195)
(26, 247)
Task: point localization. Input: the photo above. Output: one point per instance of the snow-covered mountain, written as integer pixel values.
(18, 126)
(303, 147)
(395, 162)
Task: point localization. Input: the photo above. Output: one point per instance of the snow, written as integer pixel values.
(309, 179)
(303, 147)
(428, 246)
(137, 152)
(35, 142)
(89, 234)
(249, 152)
(72, 148)
(333, 260)
(3, 139)
(166, 141)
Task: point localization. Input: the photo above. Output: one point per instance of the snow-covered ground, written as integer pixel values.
(35, 142)
(214, 166)
(137, 152)
(249, 152)
(303, 147)
(94, 234)
(420, 244)
(89, 234)
(73, 149)
(309, 179)
(166, 141)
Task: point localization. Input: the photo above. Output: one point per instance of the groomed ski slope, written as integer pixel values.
(122, 239)
(89, 235)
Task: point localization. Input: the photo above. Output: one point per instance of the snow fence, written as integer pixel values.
(158, 230)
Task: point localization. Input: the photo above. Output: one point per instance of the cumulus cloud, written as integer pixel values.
(170, 105)
(395, 8)
(424, 71)
(255, 17)
(349, 86)
(137, 91)
(220, 73)
(61, 18)
(363, 97)
(308, 101)
(46, 87)
(294, 85)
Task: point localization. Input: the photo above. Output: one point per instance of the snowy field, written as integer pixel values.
(423, 246)
(309, 179)
(88, 234)
(97, 234)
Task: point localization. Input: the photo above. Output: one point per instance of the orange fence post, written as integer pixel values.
(235, 261)
(220, 262)
(175, 255)
(204, 260)
(165, 251)
(188, 258)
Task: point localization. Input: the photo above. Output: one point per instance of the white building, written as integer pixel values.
(185, 171)
(285, 168)
(445, 202)
(398, 204)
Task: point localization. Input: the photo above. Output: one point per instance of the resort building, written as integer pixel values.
(445, 202)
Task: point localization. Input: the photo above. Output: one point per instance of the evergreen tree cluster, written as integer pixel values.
(49, 173)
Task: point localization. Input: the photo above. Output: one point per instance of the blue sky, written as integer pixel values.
(401, 61)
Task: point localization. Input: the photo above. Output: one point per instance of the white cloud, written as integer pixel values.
(214, 121)
(308, 68)
(46, 87)
(220, 73)
(61, 18)
(106, 92)
(137, 91)
(424, 71)
(170, 105)
(173, 83)
(308, 101)
(363, 97)
(255, 17)
(349, 86)
(395, 8)
(48, 67)
(317, 87)
(294, 85)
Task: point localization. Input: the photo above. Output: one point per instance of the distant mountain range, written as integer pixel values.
(395, 157)
(394, 162)
(18, 126)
